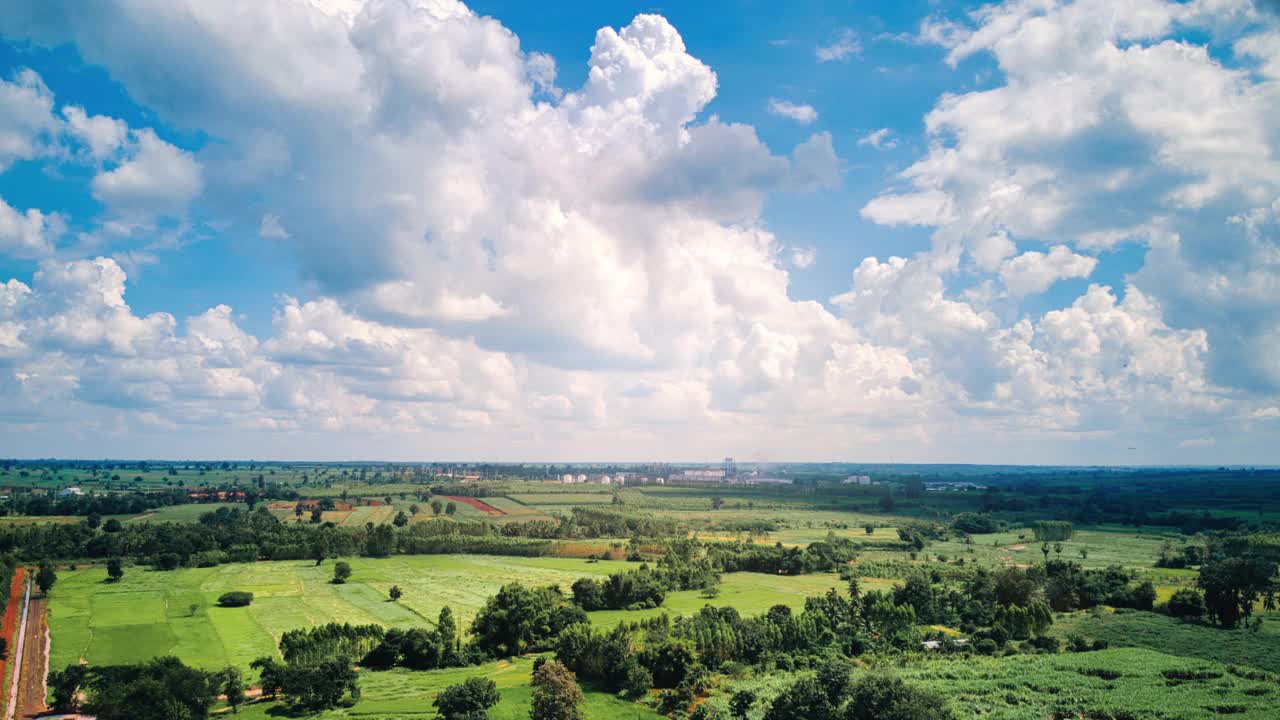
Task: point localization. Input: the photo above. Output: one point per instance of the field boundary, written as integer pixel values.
(12, 705)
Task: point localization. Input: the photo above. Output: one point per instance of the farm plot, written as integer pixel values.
(150, 613)
(566, 498)
(515, 508)
(480, 506)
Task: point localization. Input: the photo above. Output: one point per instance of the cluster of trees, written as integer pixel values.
(422, 648)
(161, 689)
(236, 535)
(822, 556)
(831, 694)
(310, 645)
(972, 523)
(93, 506)
(309, 686)
(585, 522)
(1053, 530)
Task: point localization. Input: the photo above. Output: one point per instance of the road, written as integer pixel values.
(35, 659)
(31, 651)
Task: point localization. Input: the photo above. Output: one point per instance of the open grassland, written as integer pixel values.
(1162, 633)
(398, 694)
(567, 499)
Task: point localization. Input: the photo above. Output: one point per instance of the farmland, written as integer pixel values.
(790, 555)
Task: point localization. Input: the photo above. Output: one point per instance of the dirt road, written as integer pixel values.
(35, 658)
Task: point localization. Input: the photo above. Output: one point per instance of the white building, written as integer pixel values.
(858, 480)
(68, 492)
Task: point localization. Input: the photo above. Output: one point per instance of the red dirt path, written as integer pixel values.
(6, 629)
(480, 505)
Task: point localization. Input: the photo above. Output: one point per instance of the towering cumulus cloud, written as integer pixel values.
(496, 264)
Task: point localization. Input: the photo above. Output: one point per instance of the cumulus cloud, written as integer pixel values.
(155, 179)
(29, 234)
(1033, 272)
(801, 113)
(483, 248)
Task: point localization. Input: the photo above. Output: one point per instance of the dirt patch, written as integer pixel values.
(480, 505)
(1017, 547)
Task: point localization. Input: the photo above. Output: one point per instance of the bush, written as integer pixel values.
(884, 697)
(235, 599)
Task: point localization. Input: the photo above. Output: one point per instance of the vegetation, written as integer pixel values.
(1020, 597)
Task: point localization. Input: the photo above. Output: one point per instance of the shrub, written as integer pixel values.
(235, 599)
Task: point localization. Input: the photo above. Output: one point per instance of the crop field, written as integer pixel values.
(565, 499)
(181, 513)
(399, 694)
(1259, 649)
(151, 613)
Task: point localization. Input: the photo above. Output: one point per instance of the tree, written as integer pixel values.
(394, 593)
(115, 569)
(447, 634)
(270, 673)
(65, 685)
(436, 507)
(804, 699)
(740, 703)
(450, 508)
(341, 571)
(1232, 586)
(468, 700)
(46, 576)
(556, 695)
(884, 697)
(717, 502)
(233, 687)
(1186, 604)
(161, 689)
(112, 525)
(401, 519)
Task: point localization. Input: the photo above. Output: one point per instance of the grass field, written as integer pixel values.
(150, 613)
(398, 694)
(1165, 634)
(182, 513)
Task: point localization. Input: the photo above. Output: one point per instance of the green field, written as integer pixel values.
(398, 694)
(149, 613)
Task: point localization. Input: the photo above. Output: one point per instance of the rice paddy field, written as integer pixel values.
(150, 613)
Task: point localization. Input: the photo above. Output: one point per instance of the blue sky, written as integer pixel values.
(332, 228)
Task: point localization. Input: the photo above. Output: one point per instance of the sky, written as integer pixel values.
(1035, 232)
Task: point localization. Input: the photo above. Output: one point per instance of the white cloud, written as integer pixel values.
(803, 257)
(1033, 272)
(26, 118)
(589, 270)
(101, 134)
(881, 139)
(803, 114)
(271, 229)
(845, 46)
(29, 234)
(155, 179)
